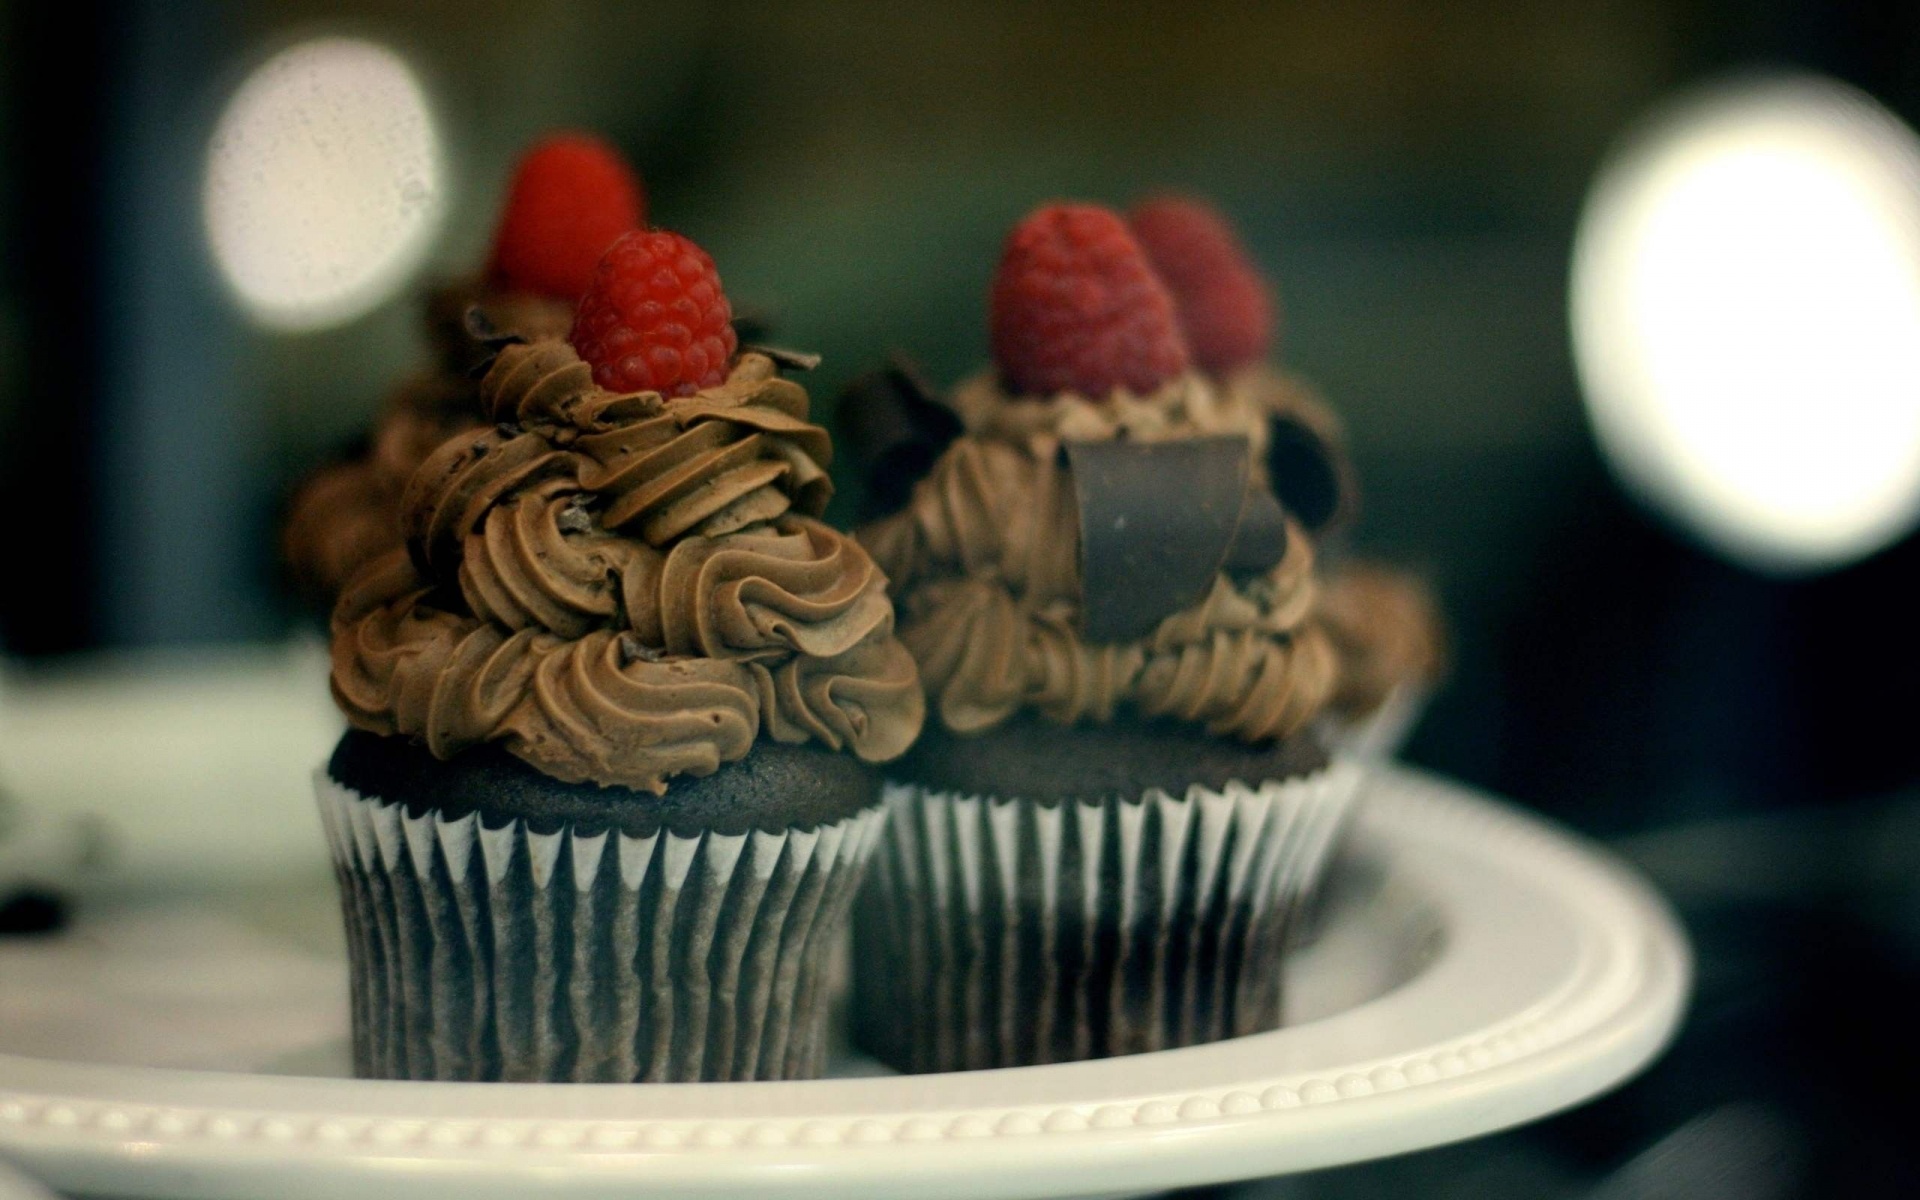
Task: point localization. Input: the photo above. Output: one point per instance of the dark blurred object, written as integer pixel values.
(40, 862)
(55, 259)
(1736, 1152)
(1732, 1152)
(895, 424)
(31, 913)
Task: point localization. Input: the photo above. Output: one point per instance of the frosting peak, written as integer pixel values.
(625, 587)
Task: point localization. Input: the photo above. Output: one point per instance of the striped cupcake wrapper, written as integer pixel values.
(576, 956)
(1001, 932)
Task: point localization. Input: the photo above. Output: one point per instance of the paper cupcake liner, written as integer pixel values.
(1002, 932)
(575, 956)
(1382, 733)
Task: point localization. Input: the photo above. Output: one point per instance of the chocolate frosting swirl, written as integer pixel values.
(986, 560)
(1385, 629)
(346, 514)
(622, 588)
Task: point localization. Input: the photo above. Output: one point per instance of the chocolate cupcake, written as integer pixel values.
(607, 798)
(1383, 623)
(571, 195)
(1098, 845)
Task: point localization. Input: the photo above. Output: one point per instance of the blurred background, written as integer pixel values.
(1735, 714)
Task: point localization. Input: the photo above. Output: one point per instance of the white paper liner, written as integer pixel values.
(1381, 734)
(1002, 932)
(507, 954)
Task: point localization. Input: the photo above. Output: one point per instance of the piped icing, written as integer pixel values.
(985, 558)
(625, 587)
(346, 514)
(1386, 630)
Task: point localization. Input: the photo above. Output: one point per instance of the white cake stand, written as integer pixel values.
(1487, 970)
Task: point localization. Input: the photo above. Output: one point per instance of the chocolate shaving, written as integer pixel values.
(895, 426)
(479, 325)
(1310, 475)
(786, 360)
(480, 328)
(633, 650)
(1157, 520)
(753, 325)
(574, 519)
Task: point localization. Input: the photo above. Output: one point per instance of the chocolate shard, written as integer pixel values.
(480, 328)
(895, 426)
(1310, 475)
(785, 359)
(1260, 540)
(574, 519)
(633, 650)
(478, 324)
(753, 324)
(1156, 522)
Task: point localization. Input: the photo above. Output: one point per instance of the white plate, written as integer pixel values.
(14, 1186)
(1494, 970)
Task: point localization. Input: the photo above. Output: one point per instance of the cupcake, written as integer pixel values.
(606, 795)
(571, 195)
(1121, 798)
(1385, 627)
(1383, 623)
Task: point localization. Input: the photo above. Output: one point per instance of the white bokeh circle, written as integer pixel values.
(324, 183)
(1745, 306)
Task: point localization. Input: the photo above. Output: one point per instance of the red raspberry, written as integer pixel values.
(1225, 306)
(571, 196)
(1076, 307)
(654, 319)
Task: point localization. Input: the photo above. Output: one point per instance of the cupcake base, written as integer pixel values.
(551, 934)
(1000, 929)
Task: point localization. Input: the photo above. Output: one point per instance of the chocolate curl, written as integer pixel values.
(895, 426)
(1310, 475)
(785, 359)
(480, 328)
(1260, 541)
(1158, 520)
(753, 324)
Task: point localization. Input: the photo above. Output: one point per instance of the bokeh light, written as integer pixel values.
(1746, 320)
(324, 183)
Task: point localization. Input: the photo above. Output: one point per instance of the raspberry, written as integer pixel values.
(571, 196)
(1076, 307)
(654, 318)
(1225, 306)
